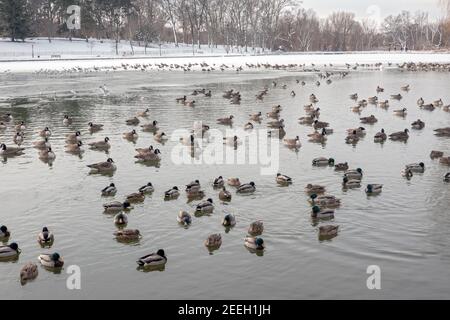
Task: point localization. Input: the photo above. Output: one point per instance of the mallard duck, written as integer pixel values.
(341, 167)
(127, 235)
(256, 228)
(320, 162)
(416, 167)
(229, 220)
(429, 107)
(320, 125)
(131, 136)
(383, 104)
(21, 126)
(74, 148)
(256, 117)
(418, 125)
(373, 189)
(357, 109)
(225, 195)
(6, 117)
(95, 127)
(249, 126)
(442, 132)
(447, 177)
(150, 127)
(154, 156)
(226, 121)
(400, 136)
(310, 188)
(73, 137)
(318, 213)
(407, 173)
(232, 141)
(283, 179)
(379, 89)
(9, 251)
(205, 207)
(18, 138)
(136, 197)
(148, 188)
(351, 184)
(188, 141)
(133, 121)
(219, 182)
(308, 120)
(172, 193)
(354, 174)
(193, 186)
(144, 114)
(420, 102)
(276, 124)
(116, 207)
(354, 96)
(328, 232)
(160, 137)
(189, 103)
(405, 88)
(67, 121)
(28, 272)
(10, 151)
(293, 143)
(403, 112)
(247, 188)
(101, 145)
(369, 120)
(318, 137)
(445, 161)
(438, 103)
(121, 219)
(380, 136)
(4, 232)
(46, 133)
(47, 154)
(109, 191)
(45, 237)
(274, 114)
(184, 218)
(103, 167)
(396, 97)
(234, 182)
(254, 243)
(214, 241)
(436, 154)
(153, 260)
(352, 138)
(325, 201)
(51, 260)
(182, 99)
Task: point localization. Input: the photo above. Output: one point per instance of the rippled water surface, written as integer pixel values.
(405, 231)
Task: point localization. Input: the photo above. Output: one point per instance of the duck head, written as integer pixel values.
(161, 253)
(55, 257)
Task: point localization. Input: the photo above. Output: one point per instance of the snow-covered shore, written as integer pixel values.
(71, 55)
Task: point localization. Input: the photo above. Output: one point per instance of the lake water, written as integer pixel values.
(405, 230)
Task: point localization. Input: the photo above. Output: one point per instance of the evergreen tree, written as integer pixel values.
(15, 18)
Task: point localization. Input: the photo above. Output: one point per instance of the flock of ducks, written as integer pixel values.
(323, 204)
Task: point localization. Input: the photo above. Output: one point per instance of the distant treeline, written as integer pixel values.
(265, 24)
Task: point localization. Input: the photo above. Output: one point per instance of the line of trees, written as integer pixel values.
(265, 24)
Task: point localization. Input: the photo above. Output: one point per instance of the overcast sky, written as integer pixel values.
(372, 8)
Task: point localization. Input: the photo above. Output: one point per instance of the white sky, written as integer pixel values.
(373, 8)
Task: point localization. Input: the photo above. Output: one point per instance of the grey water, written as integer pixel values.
(405, 230)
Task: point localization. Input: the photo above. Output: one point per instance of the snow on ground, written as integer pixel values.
(68, 55)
